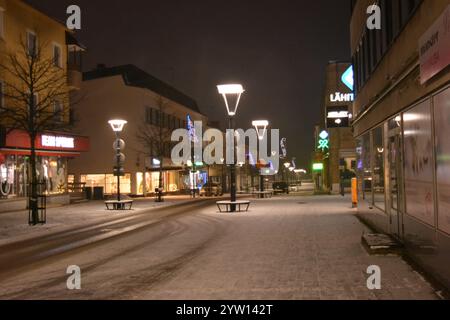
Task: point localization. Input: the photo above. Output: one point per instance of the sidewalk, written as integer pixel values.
(14, 225)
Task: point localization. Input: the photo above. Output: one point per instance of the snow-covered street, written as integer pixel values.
(296, 247)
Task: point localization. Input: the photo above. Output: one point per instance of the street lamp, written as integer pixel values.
(226, 91)
(261, 128)
(231, 90)
(117, 126)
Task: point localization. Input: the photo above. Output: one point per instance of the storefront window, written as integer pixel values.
(442, 127)
(7, 173)
(366, 168)
(108, 182)
(378, 169)
(53, 172)
(419, 163)
(359, 166)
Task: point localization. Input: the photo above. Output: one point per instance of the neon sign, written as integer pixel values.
(57, 142)
(348, 79)
(324, 142)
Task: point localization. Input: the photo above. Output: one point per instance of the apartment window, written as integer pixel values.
(57, 55)
(156, 117)
(386, 33)
(407, 8)
(396, 17)
(2, 22)
(148, 115)
(2, 94)
(58, 111)
(31, 43)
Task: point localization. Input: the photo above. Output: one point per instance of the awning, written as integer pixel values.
(41, 153)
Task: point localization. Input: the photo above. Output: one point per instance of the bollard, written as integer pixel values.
(354, 193)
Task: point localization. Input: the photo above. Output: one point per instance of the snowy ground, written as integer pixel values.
(297, 247)
(14, 225)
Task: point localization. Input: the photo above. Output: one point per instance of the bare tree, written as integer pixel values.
(36, 99)
(155, 136)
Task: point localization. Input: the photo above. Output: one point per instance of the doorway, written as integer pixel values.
(396, 177)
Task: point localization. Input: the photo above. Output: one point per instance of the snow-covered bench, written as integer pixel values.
(119, 205)
(225, 206)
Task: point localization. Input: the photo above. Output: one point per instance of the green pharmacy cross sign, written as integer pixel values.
(324, 142)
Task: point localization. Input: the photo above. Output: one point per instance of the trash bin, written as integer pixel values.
(99, 193)
(88, 193)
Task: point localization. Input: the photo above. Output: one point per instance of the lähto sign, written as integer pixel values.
(434, 48)
(57, 142)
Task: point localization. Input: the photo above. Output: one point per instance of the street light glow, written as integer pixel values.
(117, 125)
(261, 126)
(231, 89)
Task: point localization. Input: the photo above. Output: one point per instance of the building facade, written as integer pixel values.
(126, 92)
(24, 29)
(340, 158)
(402, 124)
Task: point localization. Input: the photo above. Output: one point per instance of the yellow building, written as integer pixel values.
(24, 32)
(129, 93)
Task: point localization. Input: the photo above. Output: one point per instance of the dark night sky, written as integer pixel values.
(277, 49)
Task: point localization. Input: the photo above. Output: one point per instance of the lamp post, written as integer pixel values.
(232, 90)
(261, 129)
(117, 126)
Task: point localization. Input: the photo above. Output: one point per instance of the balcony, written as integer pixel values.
(74, 62)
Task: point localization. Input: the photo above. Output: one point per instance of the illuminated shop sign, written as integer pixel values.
(318, 167)
(324, 142)
(347, 79)
(342, 97)
(434, 48)
(338, 118)
(58, 142)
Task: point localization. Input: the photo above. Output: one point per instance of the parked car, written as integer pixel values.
(280, 187)
(211, 189)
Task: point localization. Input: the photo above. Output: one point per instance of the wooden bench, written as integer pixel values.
(263, 194)
(119, 205)
(238, 205)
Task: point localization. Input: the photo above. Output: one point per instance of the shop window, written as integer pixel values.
(418, 163)
(108, 182)
(53, 172)
(442, 128)
(378, 149)
(366, 168)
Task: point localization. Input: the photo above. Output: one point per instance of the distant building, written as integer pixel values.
(401, 119)
(127, 92)
(340, 161)
(22, 27)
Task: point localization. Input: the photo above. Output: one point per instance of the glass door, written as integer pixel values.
(396, 179)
